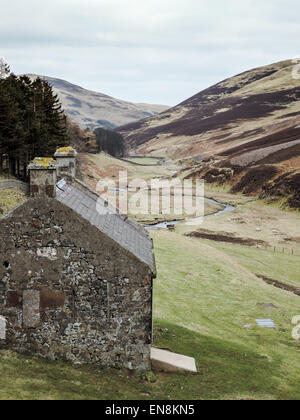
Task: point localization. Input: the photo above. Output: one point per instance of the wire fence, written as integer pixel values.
(280, 249)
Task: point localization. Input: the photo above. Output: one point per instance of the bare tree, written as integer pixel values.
(4, 68)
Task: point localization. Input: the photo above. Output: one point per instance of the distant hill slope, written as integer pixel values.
(94, 109)
(250, 121)
(237, 111)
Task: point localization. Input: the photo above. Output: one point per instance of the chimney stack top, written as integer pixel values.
(42, 163)
(66, 162)
(43, 177)
(66, 152)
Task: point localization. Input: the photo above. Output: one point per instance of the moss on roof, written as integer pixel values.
(42, 163)
(66, 151)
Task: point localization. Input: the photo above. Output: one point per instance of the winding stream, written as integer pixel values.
(227, 208)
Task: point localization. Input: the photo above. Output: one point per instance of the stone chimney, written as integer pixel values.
(66, 162)
(43, 178)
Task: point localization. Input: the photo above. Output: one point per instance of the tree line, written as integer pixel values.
(100, 140)
(110, 142)
(32, 122)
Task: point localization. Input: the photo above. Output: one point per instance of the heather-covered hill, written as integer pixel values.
(235, 112)
(244, 130)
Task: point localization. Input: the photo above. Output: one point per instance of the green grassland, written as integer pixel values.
(144, 160)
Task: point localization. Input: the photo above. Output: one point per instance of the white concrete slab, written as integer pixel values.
(166, 361)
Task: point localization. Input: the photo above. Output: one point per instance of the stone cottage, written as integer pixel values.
(76, 279)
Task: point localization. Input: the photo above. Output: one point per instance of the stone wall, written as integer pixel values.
(69, 292)
(66, 167)
(43, 182)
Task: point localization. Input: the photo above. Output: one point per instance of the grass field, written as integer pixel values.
(144, 160)
(95, 167)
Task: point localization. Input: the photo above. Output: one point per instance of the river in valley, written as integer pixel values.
(227, 208)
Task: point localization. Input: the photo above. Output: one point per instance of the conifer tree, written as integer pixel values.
(110, 142)
(32, 122)
(4, 68)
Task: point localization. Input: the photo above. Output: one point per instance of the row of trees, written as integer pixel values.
(32, 122)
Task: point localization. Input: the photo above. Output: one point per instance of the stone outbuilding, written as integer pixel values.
(76, 278)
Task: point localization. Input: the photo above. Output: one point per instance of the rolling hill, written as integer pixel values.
(244, 130)
(94, 109)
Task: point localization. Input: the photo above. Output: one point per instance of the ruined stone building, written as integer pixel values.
(76, 279)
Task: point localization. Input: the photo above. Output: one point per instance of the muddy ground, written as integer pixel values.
(226, 237)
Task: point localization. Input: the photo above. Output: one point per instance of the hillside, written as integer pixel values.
(246, 122)
(94, 109)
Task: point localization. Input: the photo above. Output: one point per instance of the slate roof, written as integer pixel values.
(113, 225)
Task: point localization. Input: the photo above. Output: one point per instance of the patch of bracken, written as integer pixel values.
(287, 185)
(255, 179)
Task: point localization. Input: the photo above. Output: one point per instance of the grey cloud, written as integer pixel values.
(161, 51)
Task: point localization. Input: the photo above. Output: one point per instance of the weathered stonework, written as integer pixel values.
(66, 162)
(43, 177)
(69, 292)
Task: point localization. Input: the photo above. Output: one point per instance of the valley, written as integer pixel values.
(215, 277)
(150, 203)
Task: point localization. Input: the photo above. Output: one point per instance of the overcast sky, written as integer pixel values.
(155, 51)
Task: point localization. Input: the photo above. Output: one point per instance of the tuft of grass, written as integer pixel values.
(9, 199)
